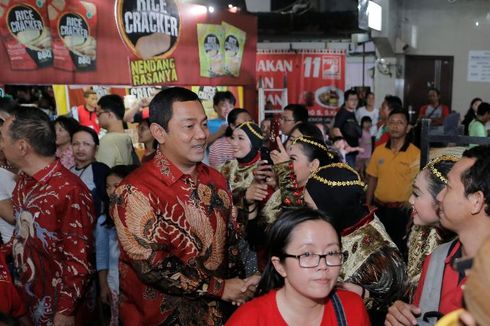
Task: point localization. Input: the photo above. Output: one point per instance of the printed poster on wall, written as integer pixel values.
(314, 78)
(125, 42)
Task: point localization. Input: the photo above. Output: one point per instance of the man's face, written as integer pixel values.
(184, 143)
(287, 121)
(91, 101)
(223, 108)
(385, 110)
(433, 97)
(351, 103)
(397, 126)
(103, 116)
(455, 207)
(7, 144)
(370, 100)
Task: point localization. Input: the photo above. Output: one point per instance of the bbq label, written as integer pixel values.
(149, 28)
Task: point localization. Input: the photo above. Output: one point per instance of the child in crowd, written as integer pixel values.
(366, 143)
(107, 248)
(342, 148)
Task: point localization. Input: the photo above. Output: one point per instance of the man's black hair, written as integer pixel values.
(161, 107)
(113, 103)
(224, 96)
(477, 177)
(300, 113)
(402, 111)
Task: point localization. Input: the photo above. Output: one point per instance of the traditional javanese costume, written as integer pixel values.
(372, 259)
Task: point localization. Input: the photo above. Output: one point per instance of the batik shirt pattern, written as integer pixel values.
(174, 234)
(52, 241)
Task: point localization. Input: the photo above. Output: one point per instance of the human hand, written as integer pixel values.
(280, 154)
(251, 282)
(264, 173)
(402, 314)
(105, 294)
(256, 191)
(236, 291)
(63, 320)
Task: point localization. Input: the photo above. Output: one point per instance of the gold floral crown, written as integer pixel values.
(304, 139)
(249, 124)
(331, 183)
(432, 169)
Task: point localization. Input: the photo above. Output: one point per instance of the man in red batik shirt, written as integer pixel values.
(52, 242)
(173, 221)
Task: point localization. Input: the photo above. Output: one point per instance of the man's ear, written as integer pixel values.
(23, 146)
(158, 133)
(477, 200)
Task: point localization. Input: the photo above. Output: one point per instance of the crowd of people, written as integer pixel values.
(226, 221)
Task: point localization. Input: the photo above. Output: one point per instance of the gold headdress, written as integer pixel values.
(304, 139)
(434, 171)
(331, 183)
(250, 126)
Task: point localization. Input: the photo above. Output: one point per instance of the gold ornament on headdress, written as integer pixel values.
(432, 169)
(331, 183)
(303, 139)
(248, 124)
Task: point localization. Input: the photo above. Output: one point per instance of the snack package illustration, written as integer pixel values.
(211, 50)
(24, 29)
(74, 28)
(234, 45)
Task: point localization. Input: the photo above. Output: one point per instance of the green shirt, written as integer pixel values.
(477, 129)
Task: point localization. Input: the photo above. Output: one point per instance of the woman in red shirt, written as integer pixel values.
(298, 285)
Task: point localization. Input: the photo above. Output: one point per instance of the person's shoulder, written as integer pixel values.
(414, 150)
(213, 173)
(253, 312)
(350, 299)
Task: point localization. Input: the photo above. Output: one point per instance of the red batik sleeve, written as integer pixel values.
(77, 244)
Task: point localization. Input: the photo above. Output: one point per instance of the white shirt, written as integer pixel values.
(7, 185)
(374, 115)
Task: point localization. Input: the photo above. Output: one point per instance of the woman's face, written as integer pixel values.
(301, 164)
(240, 143)
(84, 147)
(313, 283)
(241, 118)
(294, 135)
(144, 134)
(424, 207)
(475, 105)
(62, 135)
(112, 182)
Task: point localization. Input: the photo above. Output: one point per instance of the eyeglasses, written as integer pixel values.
(308, 260)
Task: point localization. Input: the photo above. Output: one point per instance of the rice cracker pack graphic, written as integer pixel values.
(149, 28)
(234, 45)
(220, 49)
(24, 28)
(211, 49)
(74, 28)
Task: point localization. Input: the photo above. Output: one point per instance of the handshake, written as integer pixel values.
(238, 291)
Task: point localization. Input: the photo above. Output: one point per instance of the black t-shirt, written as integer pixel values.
(345, 120)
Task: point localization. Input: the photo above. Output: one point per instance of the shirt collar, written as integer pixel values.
(404, 147)
(169, 172)
(45, 173)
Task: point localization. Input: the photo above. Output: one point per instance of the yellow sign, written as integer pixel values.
(153, 71)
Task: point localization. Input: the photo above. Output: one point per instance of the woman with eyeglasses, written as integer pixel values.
(298, 286)
(373, 268)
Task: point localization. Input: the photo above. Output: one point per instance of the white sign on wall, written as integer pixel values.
(479, 66)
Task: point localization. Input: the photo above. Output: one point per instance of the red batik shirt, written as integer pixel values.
(174, 242)
(10, 303)
(52, 241)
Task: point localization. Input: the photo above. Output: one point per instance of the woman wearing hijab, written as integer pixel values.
(246, 141)
(373, 268)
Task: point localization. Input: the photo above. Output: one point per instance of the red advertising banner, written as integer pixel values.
(124, 42)
(314, 78)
